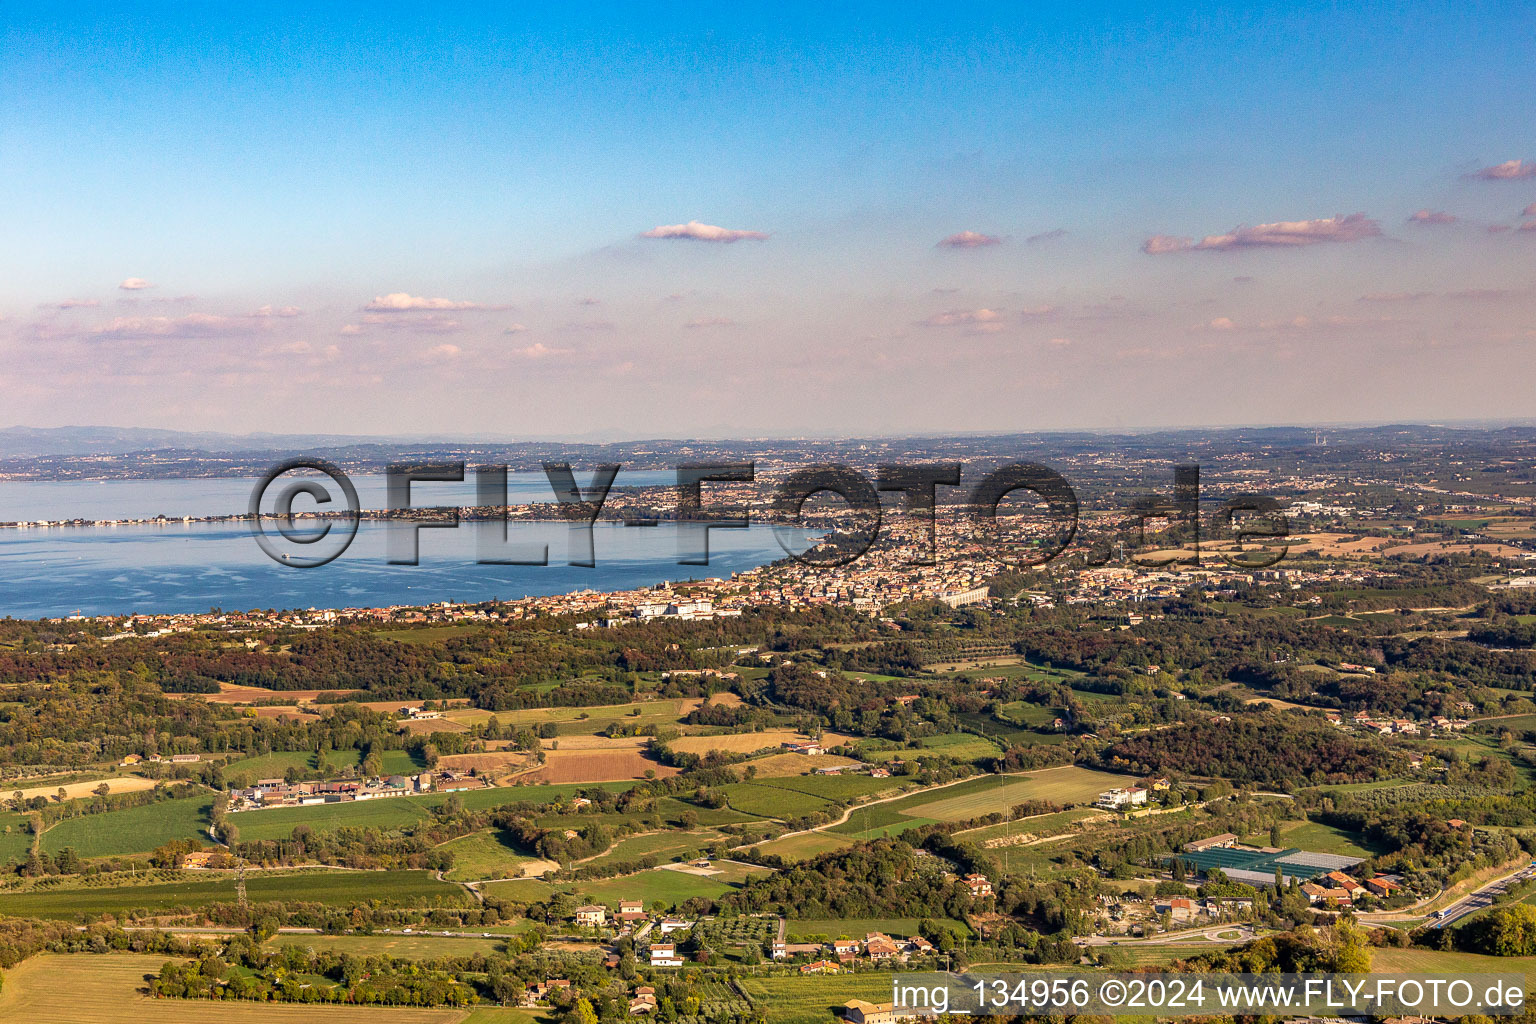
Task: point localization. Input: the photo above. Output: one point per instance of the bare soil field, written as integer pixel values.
(424, 726)
(595, 766)
(738, 743)
(486, 764)
(229, 693)
(594, 743)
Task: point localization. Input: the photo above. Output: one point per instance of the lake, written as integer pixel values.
(191, 567)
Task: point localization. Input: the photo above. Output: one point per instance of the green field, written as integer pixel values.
(771, 801)
(1070, 785)
(398, 811)
(1037, 825)
(413, 947)
(805, 846)
(664, 846)
(814, 999)
(797, 795)
(15, 839)
(1307, 835)
(132, 830)
(662, 884)
(488, 854)
(343, 888)
(962, 746)
(975, 797)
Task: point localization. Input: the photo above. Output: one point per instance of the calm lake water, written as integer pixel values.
(193, 567)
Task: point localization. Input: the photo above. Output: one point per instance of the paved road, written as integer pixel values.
(1188, 937)
(1484, 897)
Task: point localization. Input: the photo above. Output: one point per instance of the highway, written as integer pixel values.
(1484, 897)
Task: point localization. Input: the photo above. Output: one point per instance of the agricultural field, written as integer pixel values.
(398, 888)
(279, 822)
(658, 884)
(1069, 785)
(608, 763)
(413, 947)
(76, 790)
(108, 987)
(814, 999)
(490, 854)
(735, 931)
(961, 746)
(664, 846)
(1307, 835)
(738, 742)
(15, 839)
(591, 720)
(1037, 825)
(779, 766)
(975, 797)
(133, 829)
(805, 846)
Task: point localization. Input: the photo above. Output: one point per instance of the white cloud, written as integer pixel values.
(969, 240)
(1280, 234)
(404, 302)
(1432, 217)
(1507, 171)
(695, 231)
(134, 284)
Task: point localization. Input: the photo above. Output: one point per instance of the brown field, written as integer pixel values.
(738, 743)
(1440, 548)
(229, 693)
(778, 766)
(126, 784)
(725, 699)
(485, 764)
(595, 766)
(103, 989)
(1338, 545)
(594, 743)
(430, 725)
(285, 711)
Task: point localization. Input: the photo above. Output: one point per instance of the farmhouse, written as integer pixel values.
(591, 915)
(979, 885)
(857, 1011)
(664, 954)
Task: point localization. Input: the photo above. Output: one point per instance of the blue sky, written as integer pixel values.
(268, 174)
